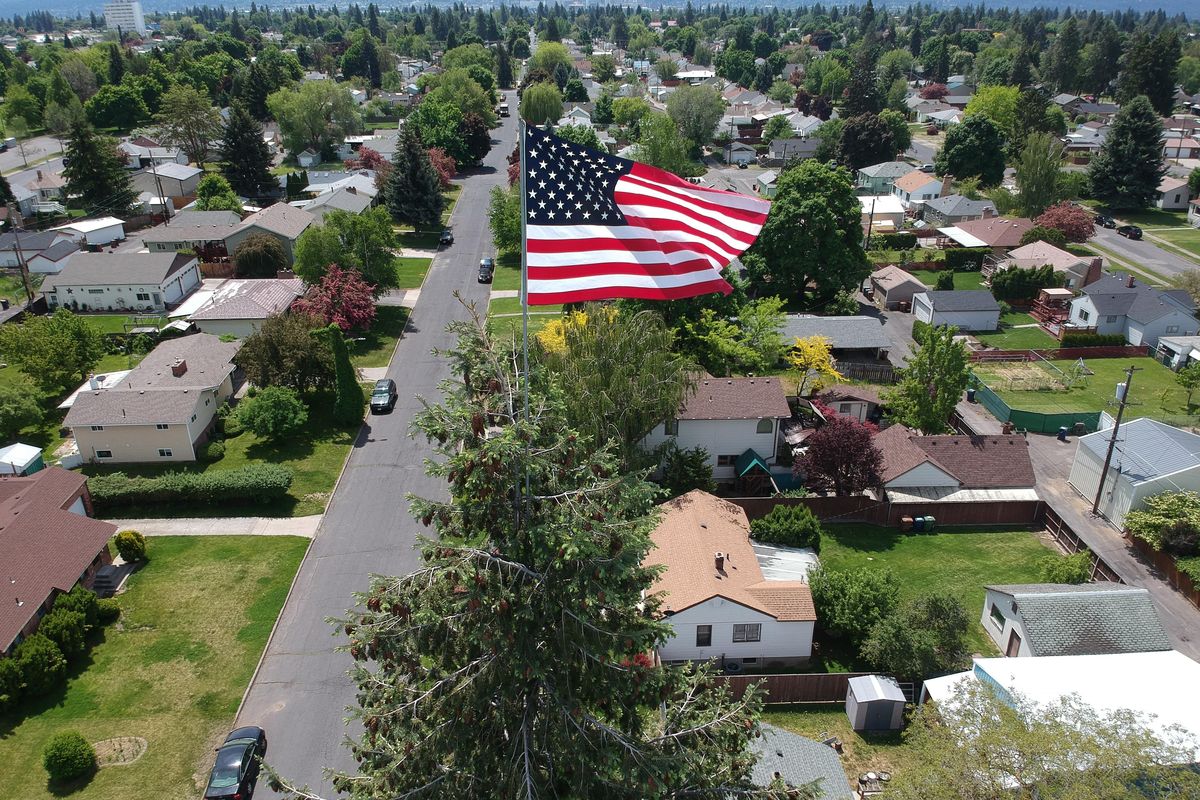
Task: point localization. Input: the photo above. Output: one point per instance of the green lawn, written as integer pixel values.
(962, 280)
(172, 670)
(12, 288)
(511, 326)
(375, 349)
(1186, 238)
(512, 305)
(508, 273)
(411, 271)
(428, 239)
(108, 323)
(1012, 338)
(958, 561)
(315, 458)
(1152, 218)
(865, 752)
(1155, 392)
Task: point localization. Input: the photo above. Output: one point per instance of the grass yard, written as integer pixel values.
(1152, 218)
(1186, 238)
(962, 280)
(511, 326)
(862, 752)
(107, 323)
(1010, 337)
(512, 305)
(172, 670)
(958, 561)
(1034, 387)
(428, 239)
(508, 273)
(375, 349)
(411, 271)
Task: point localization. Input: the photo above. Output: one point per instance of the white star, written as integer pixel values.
(541, 204)
(532, 153)
(579, 205)
(532, 213)
(533, 192)
(550, 214)
(587, 214)
(541, 184)
(604, 215)
(533, 173)
(569, 215)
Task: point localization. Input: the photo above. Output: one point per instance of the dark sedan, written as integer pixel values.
(447, 238)
(238, 762)
(487, 268)
(1105, 221)
(1130, 231)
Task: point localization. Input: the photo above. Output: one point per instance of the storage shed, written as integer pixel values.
(875, 703)
(21, 459)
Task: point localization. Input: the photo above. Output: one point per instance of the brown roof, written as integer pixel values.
(737, 398)
(915, 180)
(977, 462)
(891, 276)
(43, 547)
(847, 392)
(899, 453)
(997, 231)
(692, 529)
(280, 219)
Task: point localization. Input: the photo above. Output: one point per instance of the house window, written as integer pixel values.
(997, 616)
(765, 426)
(143, 296)
(703, 635)
(160, 426)
(164, 452)
(843, 408)
(1084, 315)
(97, 427)
(1172, 329)
(104, 454)
(726, 461)
(671, 427)
(95, 291)
(747, 633)
(193, 417)
(1110, 319)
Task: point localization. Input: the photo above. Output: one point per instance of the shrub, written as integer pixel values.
(926, 636)
(274, 413)
(1159, 512)
(131, 545)
(68, 756)
(1092, 340)
(232, 427)
(42, 664)
(1076, 568)
(256, 483)
(791, 526)
(67, 629)
(894, 241)
(1181, 537)
(686, 470)
(213, 450)
(966, 259)
(1024, 284)
(10, 683)
(80, 599)
(850, 602)
(107, 611)
(945, 281)
(843, 304)
(1040, 233)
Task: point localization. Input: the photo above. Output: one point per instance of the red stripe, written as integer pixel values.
(619, 268)
(630, 292)
(629, 245)
(662, 176)
(660, 224)
(753, 217)
(625, 199)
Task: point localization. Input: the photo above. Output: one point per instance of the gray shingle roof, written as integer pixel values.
(106, 269)
(963, 300)
(31, 241)
(253, 299)
(887, 169)
(341, 199)
(1146, 449)
(844, 333)
(798, 761)
(957, 205)
(215, 219)
(1113, 296)
(1088, 619)
(280, 219)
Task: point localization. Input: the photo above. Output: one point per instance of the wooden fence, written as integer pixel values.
(871, 373)
(858, 508)
(820, 687)
(216, 269)
(1165, 564)
(1069, 541)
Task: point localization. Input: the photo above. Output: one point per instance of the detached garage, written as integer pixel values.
(95, 232)
(964, 309)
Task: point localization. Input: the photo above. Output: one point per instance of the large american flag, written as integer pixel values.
(600, 227)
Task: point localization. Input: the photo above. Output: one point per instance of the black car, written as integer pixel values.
(446, 238)
(1130, 231)
(487, 268)
(238, 761)
(1105, 221)
(383, 396)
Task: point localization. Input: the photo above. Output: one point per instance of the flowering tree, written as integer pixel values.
(1074, 223)
(812, 357)
(841, 458)
(342, 298)
(444, 165)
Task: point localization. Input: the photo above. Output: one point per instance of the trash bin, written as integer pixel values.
(918, 524)
(1062, 433)
(970, 395)
(929, 523)
(906, 524)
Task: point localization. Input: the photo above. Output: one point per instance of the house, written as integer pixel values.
(954, 468)
(238, 307)
(1087, 137)
(712, 592)
(162, 410)
(792, 149)
(964, 309)
(952, 209)
(881, 178)
(882, 213)
(21, 459)
(860, 402)
(31, 244)
(944, 118)
(123, 281)
(892, 288)
(169, 181)
(1150, 457)
(308, 158)
(1048, 619)
(924, 111)
(50, 186)
(1180, 147)
(1194, 213)
(728, 417)
(1173, 194)
(1115, 304)
(141, 152)
(855, 338)
(739, 153)
(798, 762)
(203, 232)
(95, 232)
(998, 233)
(1077, 271)
(279, 220)
(52, 259)
(49, 546)
(917, 187)
(346, 199)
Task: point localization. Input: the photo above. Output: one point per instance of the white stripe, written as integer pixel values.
(719, 240)
(749, 228)
(584, 232)
(718, 196)
(617, 280)
(582, 257)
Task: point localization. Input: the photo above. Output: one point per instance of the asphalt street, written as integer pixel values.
(36, 149)
(1143, 253)
(301, 692)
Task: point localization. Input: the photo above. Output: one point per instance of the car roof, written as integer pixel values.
(384, 383)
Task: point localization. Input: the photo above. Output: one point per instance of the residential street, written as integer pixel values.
(37, 149)
(1144, 253)
(301, 692)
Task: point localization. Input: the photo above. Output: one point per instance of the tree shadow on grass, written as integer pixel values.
(864, 538)
(56, 697)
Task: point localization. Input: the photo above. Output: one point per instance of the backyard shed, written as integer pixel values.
(875, 703)
(21, 459)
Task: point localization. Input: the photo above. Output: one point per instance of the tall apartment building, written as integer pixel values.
(126, 15)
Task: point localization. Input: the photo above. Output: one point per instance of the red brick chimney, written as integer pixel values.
(178, 368)
(1129, 281)
(1093, 272)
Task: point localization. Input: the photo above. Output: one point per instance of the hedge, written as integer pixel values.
(257, 483)
(791, 526)
(893, 241)
(1092, 340)
(966, 259)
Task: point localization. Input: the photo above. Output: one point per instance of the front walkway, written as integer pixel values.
(223, 526)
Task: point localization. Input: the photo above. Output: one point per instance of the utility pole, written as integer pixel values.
(14, 217)
(158, 182)
(1112, 442)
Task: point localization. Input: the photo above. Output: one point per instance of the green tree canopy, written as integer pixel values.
(56, 352)
(187, 120)
(973, 148)
(313, 114)
(260, 255)
(541, 104)
(213, 193)
(1126, 172)
(696, 110)
(660, 145)
(932, 383)
(362, 242)
(413, 193)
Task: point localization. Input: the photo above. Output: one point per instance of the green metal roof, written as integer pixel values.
(748, 461)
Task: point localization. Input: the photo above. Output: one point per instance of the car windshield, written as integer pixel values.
(229, 765)
(380, 393)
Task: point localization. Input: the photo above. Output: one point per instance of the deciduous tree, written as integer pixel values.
(932, 383)
(925, 636)
(341, 298)
(444, 165)
(973, 148)
(56, 352)
(213, 193)
(187, 119)
(812, 357)
(313, 114)
(20, 407)
(841, 458)
(660, 145)
(364, 243)
(696, 110)
(1038, 172)
(504, 218)
(284, 352)
(850, 602)
(541, 104)
(260, 255)
(274, 413)
(1071, 220)
(866, 139)
(580, 134)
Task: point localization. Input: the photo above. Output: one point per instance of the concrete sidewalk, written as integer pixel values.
(224, 526)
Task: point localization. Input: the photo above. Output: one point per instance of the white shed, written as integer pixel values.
(875, 703)
(104, 230)
(964, 309)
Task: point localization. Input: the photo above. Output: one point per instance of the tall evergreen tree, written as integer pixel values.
(1149, 69)
(504, 70)
(1126, 172)
(1030, 118)
(1064, 57)
(413, 192)
(95, 173)
(1021, 73)
(862, 95)
(6, 192)
(245, 157)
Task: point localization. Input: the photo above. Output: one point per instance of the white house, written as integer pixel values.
(32, 243)
(1178, 352)
(1173, 194)
(52, 259)
(168, 180)
(1150, 458)
(916, 187)
(1077, 271)
(101, 231)
(728, 417)
(739, 153)
(1142, 313)
(1046, 619)
(965, 309)
(1194, 213)
(123, 281)
(882, 213)
(881, 178)
(308, 158)
(712, 591)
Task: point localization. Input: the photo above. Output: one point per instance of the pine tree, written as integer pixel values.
(348, 400)
(516, 661)
(504, 70)
(1126, 173)
(6, 193)
(1064, 57)
(245, 157)
(95, 173)
(1149, 69)
(413, 193)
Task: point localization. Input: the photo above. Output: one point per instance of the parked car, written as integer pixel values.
(928, 168)
(446, 238)
(383, 396)
(487, 268)
(1130, 231)
(238, 761)
(1105, 221)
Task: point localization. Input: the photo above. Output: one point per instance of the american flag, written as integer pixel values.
(600, 227)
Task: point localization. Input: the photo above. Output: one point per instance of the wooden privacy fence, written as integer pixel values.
(820, 687)
(1069, 541)
(1164, 563)
(858, 508)
(871, 373)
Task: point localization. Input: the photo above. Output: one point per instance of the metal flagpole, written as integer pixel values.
(521, 124)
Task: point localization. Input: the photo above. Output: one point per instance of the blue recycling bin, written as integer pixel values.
(918, 524)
